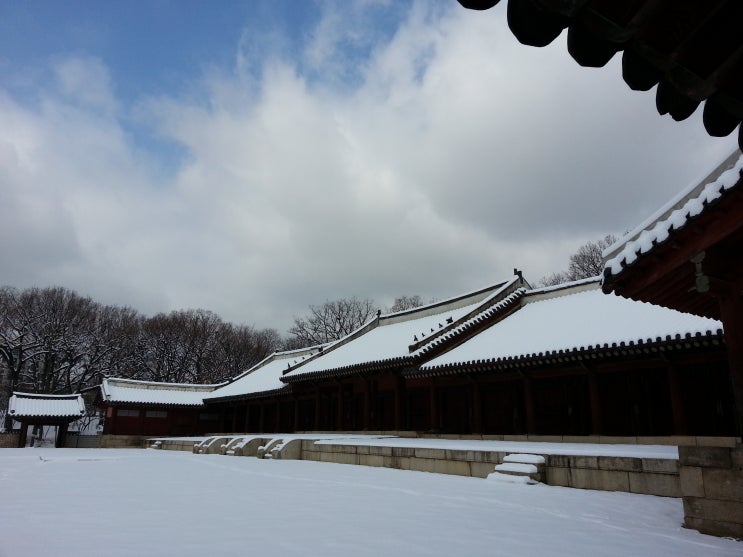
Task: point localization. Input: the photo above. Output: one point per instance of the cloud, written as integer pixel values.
(450, 156)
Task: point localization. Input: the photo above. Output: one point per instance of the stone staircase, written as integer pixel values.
(519, 468)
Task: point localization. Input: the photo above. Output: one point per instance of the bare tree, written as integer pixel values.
(406, 302)
(331, 321)
(586, 262)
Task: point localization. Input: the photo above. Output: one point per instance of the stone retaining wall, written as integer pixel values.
(83, 441)
(124, 441)
(650, 476)
(634, 475)
(712, 489)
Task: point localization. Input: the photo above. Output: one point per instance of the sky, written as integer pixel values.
(253, 158)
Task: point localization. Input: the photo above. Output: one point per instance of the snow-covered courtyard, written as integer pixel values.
(91, 502)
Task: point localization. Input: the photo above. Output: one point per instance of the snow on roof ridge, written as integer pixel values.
(474, 320)
(162, 385)
(564, 289)
(449, 303)
(670, 329)
(673, 215)
(46, 395)
(643, 341)
(483, 296)
(39, 404)
(279, 355)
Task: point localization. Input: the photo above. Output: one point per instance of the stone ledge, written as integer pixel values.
(663, 485)
(706, 457)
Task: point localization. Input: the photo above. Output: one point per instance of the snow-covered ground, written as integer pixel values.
(91, 502)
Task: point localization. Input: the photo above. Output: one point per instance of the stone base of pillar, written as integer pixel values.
(712, 489)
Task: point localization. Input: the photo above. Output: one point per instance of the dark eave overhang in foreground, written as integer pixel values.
(665, 275)
(640, 348)
(691, 49)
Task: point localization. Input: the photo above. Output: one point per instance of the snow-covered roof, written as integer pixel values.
(264, 377)
(395, 337)
(576, 318)
(118, 390)
(30, 405)
(675, 214)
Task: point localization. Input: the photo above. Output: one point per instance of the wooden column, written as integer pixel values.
(476, 425)
(339, 413)
(367, 405)
(234, 419)
(246, 424)
(262, 418)
(398, 403)
(531, 418)
(317, 409)
(433, 402)
(296, 415)
(731, 312)
(594, 397)
(277, 420)
(23, 435)
(61, 435)
(677, 404)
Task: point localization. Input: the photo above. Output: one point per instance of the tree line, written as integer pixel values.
(53, 340)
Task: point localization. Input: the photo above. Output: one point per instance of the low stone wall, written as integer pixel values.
(124, 441)
(648, 476)
(83, 441)
(173, 444)
(8, 440)
(712, 489)
(442, 461)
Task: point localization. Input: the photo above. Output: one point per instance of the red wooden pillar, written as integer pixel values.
(61, 435)
(731, 313)
(433, 406)
(339, 416)
(531, 420)
(595, 403)
(398, 403)
(367, 405)
(677, 404)
(317, 408)
(109, 425)
(23, 435)
(476, 425)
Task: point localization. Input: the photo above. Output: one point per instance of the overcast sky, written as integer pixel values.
(252, 158)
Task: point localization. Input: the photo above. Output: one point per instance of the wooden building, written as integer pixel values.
(571, 360)
(689, 256)
(159, 409)
(559, 360)
(257, 400)
(32, 409)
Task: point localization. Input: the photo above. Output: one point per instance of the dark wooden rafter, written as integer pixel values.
(691, 49)
(666, 275)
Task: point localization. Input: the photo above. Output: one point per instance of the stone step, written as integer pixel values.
(519, 468)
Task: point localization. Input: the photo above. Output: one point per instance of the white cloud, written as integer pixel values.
(457, 156)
